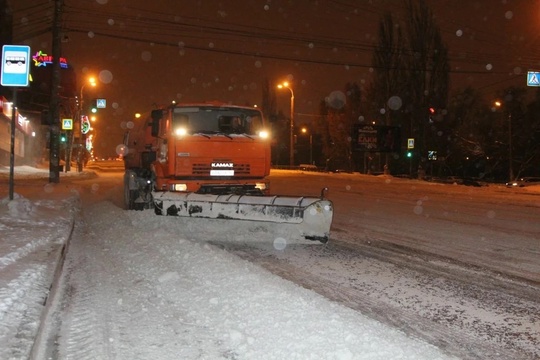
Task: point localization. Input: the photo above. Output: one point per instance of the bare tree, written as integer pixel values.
(411, 76)
(427, 68)
(388, 65)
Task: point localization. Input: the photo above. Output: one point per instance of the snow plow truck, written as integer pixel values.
(212, 160)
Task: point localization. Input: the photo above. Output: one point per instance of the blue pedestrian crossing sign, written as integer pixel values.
(101, 103)
(15, 65)
(533, 78)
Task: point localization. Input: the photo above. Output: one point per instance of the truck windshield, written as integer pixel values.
(225, 120)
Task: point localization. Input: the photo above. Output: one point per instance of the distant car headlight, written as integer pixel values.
(264, 134)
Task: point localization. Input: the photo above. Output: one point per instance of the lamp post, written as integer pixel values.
(498, 104)
(91, 82)
(291, 135)
(305, 130)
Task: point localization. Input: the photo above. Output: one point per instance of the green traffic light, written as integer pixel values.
(409, 154)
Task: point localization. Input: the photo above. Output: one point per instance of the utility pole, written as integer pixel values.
(510, 157)
(54, 102)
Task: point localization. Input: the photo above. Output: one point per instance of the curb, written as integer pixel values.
(47, 302)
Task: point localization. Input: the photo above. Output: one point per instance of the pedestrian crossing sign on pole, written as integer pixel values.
(101, 103)
(67, 124)
(533, 78)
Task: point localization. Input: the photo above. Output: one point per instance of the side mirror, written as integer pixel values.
(126, 138)
(156, 115)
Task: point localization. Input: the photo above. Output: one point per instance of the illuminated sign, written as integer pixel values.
(89, 145)
(85, 124)
(67, 124)
(533, 78)
(101, 103)
(41, 60)
(15, 65)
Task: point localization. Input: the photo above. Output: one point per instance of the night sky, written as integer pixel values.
(153, 52)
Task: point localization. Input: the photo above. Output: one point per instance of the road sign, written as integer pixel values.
(533, 78)
(67, 124)
(410, 143)
(101, 103)
(15, 65)
(85, 125)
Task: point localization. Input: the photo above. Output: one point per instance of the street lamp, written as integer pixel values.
(498, 104)
(291, 135)
(305, 130)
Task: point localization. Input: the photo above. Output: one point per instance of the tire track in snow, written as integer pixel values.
(468, 314)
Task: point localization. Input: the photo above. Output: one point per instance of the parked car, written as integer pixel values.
(524, 181)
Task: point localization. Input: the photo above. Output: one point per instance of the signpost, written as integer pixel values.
(15, 72)
(533, 78)
(15, 65)
(101, 103)
(67, 124)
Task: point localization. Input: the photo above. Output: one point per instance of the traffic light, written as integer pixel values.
(63, 137)
(409, 154)
(93, 106)
(431, 114)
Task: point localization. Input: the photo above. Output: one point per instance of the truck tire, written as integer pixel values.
(129, 198)
(129, 195)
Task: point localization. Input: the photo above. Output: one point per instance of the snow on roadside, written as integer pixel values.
(33, 233)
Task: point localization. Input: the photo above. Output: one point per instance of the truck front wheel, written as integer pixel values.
(129, 198)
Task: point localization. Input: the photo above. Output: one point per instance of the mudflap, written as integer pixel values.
(310, 216)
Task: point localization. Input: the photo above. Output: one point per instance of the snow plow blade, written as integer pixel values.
(312, 215)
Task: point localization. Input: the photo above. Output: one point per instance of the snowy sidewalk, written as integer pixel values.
(33, 235)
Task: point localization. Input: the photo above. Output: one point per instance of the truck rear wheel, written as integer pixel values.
(129, 198)
(129, 195)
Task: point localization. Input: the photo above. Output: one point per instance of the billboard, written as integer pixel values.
(376, 138)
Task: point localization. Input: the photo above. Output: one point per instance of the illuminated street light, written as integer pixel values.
(498, 104)
(291, 149)
(304, 131)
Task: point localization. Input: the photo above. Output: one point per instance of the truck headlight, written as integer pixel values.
(178, 187)
(181, 131)
(261, 186)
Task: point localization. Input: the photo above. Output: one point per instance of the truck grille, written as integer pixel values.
(204, 169)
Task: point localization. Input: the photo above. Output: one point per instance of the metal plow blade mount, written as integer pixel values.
(312, 216)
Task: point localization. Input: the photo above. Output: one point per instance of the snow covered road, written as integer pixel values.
(414, 270)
